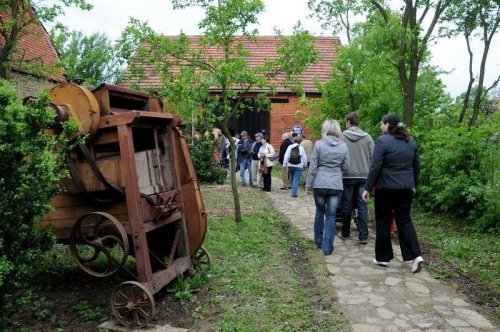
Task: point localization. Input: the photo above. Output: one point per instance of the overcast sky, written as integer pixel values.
(111, 16)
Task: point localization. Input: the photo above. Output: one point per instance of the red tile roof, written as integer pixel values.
(263, 47)
(35, 45)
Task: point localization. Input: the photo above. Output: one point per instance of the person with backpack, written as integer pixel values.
(295, 160)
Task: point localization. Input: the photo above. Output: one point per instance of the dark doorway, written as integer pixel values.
(251, 120)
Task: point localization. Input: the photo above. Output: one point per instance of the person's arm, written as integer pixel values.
(286, 156)
(303, 156)
(416, 167)
(378, 159)
(313, 168)
(272, 152)
(370, 148)
(346, 163)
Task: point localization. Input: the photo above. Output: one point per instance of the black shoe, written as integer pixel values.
(283, 188)
(343, 237)
(363, 241)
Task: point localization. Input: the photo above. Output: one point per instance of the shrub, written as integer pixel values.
(30, 170)
(460, 173)
(207, 170)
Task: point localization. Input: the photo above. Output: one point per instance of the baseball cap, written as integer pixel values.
(259, 134)
(244, 133)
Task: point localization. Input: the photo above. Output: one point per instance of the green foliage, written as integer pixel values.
(475, 256)
(19, 15)
(91, 58)
(365, 80)
(206, 169)
(183, 287)
(30, 171)
(255, 283)
(460, 172)
(88, 312)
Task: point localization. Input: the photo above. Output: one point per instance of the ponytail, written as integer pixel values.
(396, 126)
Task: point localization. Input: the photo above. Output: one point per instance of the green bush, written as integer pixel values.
(30, 171)
(207, 171)
(460, 173)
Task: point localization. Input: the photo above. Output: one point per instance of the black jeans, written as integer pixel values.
(353, 190)
(398, 201)
(266, 178)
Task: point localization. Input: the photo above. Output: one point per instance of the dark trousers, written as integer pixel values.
(398, 201)
(266, 178)
(353, 190)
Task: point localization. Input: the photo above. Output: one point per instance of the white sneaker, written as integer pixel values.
(417, 264)
(375, 261)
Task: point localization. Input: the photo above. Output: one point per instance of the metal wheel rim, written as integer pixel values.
(132, 304)
(76, 233)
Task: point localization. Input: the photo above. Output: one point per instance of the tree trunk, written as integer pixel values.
(5, 53)
(471, 81)
(479, 91)
(232, 169)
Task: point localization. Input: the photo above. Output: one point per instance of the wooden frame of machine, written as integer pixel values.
(132, 192)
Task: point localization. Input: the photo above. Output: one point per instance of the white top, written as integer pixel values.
(303, 156)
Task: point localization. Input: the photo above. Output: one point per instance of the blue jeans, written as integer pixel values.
(295, 173)
(326, 201)
(353, 190)
(246, 163)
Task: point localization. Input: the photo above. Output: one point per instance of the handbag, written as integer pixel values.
(263, 167)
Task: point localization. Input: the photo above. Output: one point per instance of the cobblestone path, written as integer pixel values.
(375, 298)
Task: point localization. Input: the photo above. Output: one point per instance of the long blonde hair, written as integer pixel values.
(331, 128)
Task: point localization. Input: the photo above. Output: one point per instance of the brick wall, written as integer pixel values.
(28, 85)
(284, 117)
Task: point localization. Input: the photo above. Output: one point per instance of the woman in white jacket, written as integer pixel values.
(265, 153)
(295, 161)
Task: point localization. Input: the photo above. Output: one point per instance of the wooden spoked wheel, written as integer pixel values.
(132, 304)
(99, 244)
(201, 259)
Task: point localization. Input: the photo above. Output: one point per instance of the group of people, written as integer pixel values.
(256, 157)
(346, 168)
(347, 165)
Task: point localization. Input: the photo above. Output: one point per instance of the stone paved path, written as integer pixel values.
(375, 298)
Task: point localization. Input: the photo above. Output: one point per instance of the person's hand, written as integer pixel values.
(365, 196)
(308, 190)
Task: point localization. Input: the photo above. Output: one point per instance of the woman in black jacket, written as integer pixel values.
(394, 173)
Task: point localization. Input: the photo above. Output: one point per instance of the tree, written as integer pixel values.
(92, 58)
(16, 16)
(338, 15)
(31, 166)
(409, 39)
(475, 18)
(375, 86)
(189, 72)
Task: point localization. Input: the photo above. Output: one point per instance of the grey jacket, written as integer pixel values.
(360, 146)
(329, 159)
(395, 165)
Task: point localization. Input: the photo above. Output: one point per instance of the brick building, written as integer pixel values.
(285, 104)
(34, 47)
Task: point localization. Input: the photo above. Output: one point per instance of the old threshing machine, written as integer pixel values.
(132, 193)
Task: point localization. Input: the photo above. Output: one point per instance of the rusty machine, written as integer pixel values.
(133, 194)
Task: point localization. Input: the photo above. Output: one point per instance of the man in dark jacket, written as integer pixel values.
(285, 143)
(245, 157)
(360, 146)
